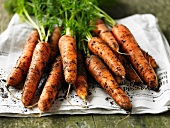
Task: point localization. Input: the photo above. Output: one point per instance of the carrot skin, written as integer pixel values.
(129, 45)
(103, 76)
(150, 59)
(52, 86)
(99, 48)
(81, 85)
(131, 74)
(54, 43)
(68, 51)
(106, 35)
(40, 57)
(18, 73)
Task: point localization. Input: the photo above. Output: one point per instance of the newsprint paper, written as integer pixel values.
(150, 38)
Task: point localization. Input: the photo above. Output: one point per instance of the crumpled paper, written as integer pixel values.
(145, 29)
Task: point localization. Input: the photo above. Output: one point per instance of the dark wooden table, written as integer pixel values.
(122, 8)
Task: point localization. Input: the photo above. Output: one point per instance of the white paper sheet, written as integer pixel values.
(147, 33)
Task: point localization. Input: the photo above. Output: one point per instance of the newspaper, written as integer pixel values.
(150, 38)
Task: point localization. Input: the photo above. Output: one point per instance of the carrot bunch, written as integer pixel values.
(37, 50)
(84, 45)
(101, 61)
(129, 46)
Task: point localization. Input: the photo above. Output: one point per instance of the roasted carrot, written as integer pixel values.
(150, 59)
(129, 45)
(52, 85)
(103, 76)
(106, 35)
(18, 73)
(68, 51)
(81, 85)
(98, 47)
(40, 57)
(131, 74)
(54, 43)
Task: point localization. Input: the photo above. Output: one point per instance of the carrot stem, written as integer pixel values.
(88, 36)
(103, 14)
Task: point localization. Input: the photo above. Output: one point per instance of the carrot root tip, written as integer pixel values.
(122, 119)
(10, 93)
(32, 106)
(68, 91)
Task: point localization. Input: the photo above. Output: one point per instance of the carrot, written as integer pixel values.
(129, 45)
(150, 59)
(103, 76)
(40, 57)
(68, 51)
(118, 79)
(52, 85)
(98, 47)
(81, 85)
(18, 73)
(54, 43)
(106, 35)
(131, 74)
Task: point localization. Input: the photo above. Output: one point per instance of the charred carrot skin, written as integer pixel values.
(103, 76)
(40, 57)
(99, 48)
(81, 85)
(129, 45)
(68, 51)
(106, 35)
(150, 59)
(52, 86)
(131, 74)
(18, 73)
(54, 39)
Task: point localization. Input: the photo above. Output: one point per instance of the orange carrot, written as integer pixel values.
(150, 59)
(52, 85)
(40, 57)
(54, 43)
(106, 35)
(131, 74)
(18, 73)
(68, 51)
(118, 79)
(98, 47)
(81, 85)
(129, 45)
(103, 76)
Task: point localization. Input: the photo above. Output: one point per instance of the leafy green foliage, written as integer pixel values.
(45, 15)
(78, 16)
(12, 5)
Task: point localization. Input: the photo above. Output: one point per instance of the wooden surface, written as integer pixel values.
(122, 8)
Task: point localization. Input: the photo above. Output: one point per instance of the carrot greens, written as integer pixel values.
(44, 15)
(102, 14)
